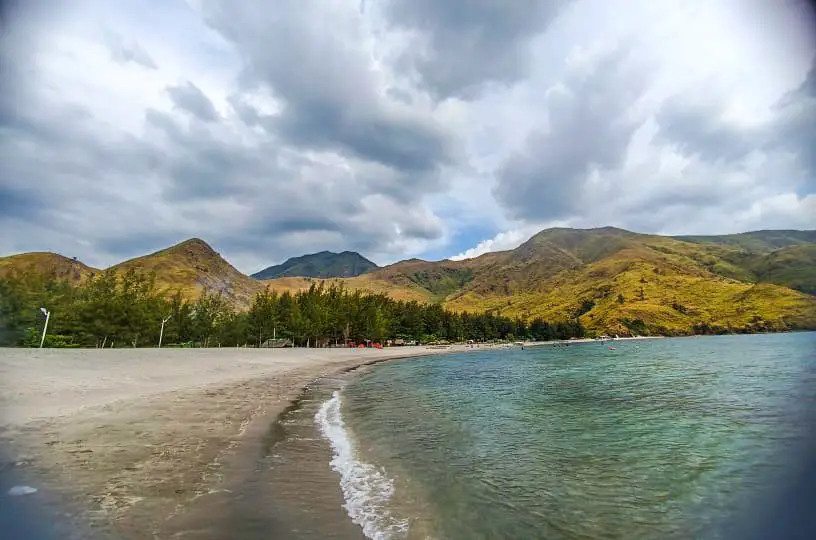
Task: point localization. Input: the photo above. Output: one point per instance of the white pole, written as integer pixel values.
(161, 332)
(45, 327)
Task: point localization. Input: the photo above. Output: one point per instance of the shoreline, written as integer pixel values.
(559, 342)
(120, 443)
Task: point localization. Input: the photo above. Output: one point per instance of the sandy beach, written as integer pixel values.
(120, 443)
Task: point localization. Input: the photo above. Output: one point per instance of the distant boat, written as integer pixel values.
(611, 348)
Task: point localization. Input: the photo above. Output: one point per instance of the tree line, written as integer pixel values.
(127, 310)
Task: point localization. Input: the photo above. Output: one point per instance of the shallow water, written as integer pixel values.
(656, 439)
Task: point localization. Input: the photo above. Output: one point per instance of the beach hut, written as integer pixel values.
(278, 343)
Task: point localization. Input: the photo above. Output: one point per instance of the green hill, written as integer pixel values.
(624, 282)
(756, 241)
(786, 258)
(193, 267)
(324, 264)
(612, 280)
(617, 281)
(46, 263)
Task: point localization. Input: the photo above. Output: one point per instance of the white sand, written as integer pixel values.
(125, 440)
(42, 383)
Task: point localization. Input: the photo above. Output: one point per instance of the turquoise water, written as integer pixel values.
(656, 439)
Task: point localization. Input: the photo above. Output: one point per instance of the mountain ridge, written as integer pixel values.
(193, 267)
(47, 262)
(323, 264)
(612, 280)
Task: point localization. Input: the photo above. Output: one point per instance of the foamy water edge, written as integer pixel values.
(366, 489)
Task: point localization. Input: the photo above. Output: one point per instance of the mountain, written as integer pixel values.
(617, 280)
(757, 241)
(46, 262)
(193, 267)
(613, 280)
(786, 258)
(325, 264)
(793, 266)
(624, 282)
(363, 283)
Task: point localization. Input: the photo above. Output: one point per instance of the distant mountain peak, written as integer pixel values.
(45, 262)
(323, 264)
(195, 243)
(192, 267)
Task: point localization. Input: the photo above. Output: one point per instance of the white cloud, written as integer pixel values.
(325, 125)
(502, 241)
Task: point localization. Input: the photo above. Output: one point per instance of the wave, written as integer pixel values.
(366, 489)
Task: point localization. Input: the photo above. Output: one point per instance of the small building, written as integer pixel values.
(278, 343)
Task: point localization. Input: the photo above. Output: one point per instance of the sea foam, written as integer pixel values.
(366, 488)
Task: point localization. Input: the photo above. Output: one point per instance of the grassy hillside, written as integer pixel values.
(756, 241)
(793, 267)
(46, 263)
(320, 265)
(611, 295)
(614, 281)
(193, 267)
(364, 283)
(786, 258)
(622, 282)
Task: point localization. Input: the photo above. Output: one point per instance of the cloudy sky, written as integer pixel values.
(398, 128)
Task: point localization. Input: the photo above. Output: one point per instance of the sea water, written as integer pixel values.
(666, 438)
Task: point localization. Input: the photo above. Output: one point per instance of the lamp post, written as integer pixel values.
(45, 327)
(161, 332)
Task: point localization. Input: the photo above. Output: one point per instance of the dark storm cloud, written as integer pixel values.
(16, 202)
(590, 128)
(190, 98)
(471, 42)
(52, 152)
(42, 146)
(423, 230)
(794, 128)
(805, 90)
(326, 85)
(270, 190)
(403, 145)
(79, 175)
(126, 245)
(808, 87)
(245, 112)
(208, 170)
(698, 130)
(198, 166)
(288, 220)
(133, 52)
(164, 123)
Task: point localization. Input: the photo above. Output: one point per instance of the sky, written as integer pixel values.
(398, 128)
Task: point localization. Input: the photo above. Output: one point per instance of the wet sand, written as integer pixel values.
(149, 443)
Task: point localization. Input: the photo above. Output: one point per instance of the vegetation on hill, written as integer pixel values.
(793, 266)
(433, 281)
(126, 309)
(756, 241)
(320, 265)
(622, 282)
(611, 280)
(193, 268)
(44, 263)
(366, 283)
(786, 258)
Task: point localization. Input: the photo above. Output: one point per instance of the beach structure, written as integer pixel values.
(276, 343)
